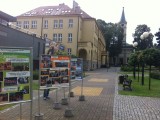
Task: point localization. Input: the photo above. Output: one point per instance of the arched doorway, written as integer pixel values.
(83, 54)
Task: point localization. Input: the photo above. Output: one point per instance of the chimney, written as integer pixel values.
(75, 4)
(76, 7)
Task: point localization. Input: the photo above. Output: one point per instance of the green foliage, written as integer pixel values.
(35, 85)
(110, 32)
(126, 68)
(157, 34)
(143, 44)
(73, 56)
(61, 52)
(36, 75)
(155, 75)
(152, 56)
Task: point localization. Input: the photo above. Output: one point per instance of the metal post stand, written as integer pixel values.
(39, 116)
(57, 105)
(82, 97)
(71, 93)
(20, 111)
(68, 111)
(64, 100)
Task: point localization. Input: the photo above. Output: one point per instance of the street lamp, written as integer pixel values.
(143, 37)
(112, 44)
(135, 44)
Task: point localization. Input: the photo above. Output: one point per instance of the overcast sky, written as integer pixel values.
(136, 11)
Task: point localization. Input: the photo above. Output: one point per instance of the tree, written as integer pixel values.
(157, 34)
(147, 42)
(134, 59)
(113, 34)
(151, 57)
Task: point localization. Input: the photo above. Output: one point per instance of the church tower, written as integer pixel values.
(123, 57)
(123, 24)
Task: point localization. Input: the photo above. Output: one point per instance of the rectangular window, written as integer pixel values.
(19, 24)
(46, 24)
(55, 37)
(59, 37)
(70, 24)
(60, 23)
(34, 24)
(55, 24)
(26, 25)
(69, 50)
(69, 37)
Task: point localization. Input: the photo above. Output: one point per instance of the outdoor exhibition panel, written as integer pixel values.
(76, 68)
(15, 74)
(54, 70)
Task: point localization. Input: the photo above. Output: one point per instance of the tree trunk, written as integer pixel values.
(138, 72)
(149, 77)
(142, 74)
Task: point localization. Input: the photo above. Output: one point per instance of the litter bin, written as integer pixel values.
(121, 79)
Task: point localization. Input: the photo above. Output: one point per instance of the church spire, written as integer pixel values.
(123, 19)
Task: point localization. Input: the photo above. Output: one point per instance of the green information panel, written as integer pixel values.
(15, 74)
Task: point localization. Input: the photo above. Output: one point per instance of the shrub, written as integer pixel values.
(155, 75)
(126, 68)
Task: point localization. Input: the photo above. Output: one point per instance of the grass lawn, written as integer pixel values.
(35, 85)
(139, 90)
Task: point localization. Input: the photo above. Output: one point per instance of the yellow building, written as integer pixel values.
(71, 27)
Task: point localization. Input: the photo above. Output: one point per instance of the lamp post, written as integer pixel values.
(113, 43)
(143, 37)
(135, 44)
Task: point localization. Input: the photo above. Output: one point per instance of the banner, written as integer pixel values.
(15, 74)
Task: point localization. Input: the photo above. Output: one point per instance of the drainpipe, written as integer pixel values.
(42, 28)
(77, 36)
(91, 55)
(97, 53)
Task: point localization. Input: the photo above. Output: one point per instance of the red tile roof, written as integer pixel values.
(61, 9)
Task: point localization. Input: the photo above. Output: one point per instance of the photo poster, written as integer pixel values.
(77, 68)
(73, 67)
(15, 74)
(54, 70)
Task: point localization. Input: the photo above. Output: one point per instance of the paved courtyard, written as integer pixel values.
(102, 102)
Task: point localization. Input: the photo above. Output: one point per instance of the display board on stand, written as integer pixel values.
(15, 75)
(76, 68)
(54, 70)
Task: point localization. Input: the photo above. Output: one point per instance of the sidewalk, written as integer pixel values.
(102, 102)
(99, 89)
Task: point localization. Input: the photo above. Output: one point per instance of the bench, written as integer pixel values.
(127, 83)
(122, 78)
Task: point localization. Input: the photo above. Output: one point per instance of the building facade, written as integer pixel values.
(71, 27)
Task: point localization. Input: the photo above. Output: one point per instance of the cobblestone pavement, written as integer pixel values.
(98, 89)
(135, 108)
(102, 102)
